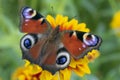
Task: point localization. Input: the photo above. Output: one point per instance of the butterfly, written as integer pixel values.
(52, 49)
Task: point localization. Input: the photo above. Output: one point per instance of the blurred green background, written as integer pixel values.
(97, 14)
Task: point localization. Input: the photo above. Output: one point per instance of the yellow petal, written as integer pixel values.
(59, 19)
(66, 26)
(21, 77)
(27, 63)
(79, 72)
(35, 69)
(51, 20)
(82, 60)
(45, 75)
(93, 55)
(65, 74)
(84, 68)
(56, 76)
(72, 23)
(79, 27)
(82, 27)
(34, 78)
(73, 63)
(65, 19)
(20, 74)
(116, 20)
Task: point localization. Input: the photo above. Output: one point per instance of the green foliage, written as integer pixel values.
(97, 14)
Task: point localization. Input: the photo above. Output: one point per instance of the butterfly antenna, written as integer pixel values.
(52, 10)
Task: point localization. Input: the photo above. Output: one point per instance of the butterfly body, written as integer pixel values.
(52, 49)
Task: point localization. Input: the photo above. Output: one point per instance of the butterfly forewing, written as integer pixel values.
(75, 43)
(32, 21)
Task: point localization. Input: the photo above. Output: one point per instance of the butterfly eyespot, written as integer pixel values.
(90, 40)
(89, 37)
(63, 59)
(28, 41)
(28, 12)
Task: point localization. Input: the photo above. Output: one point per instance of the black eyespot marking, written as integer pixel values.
(37, 16)
(90, 40)
(89, 37)
(28, 12)
(61, 50)
(27, 43)
(71, 33)
(80, 35)
(31, 12)
(35, 37)
(43, 21)
(61, 60)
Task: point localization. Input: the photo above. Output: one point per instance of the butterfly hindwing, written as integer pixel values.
(46, 51)
(30, 45)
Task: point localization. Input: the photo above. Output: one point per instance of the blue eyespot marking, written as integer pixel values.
(27, 43)
(61, 60)
(93, 41)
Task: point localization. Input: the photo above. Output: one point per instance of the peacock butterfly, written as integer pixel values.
(52, 49)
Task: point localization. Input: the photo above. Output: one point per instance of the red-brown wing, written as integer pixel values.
(34, 52)
(44, 54)
(31, 45)
(80, 43)
(32, 21)
(54, 57)
(39, 50)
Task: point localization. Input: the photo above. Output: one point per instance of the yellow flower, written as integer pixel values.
(115, 24)
(65, 24)
(80, 67)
